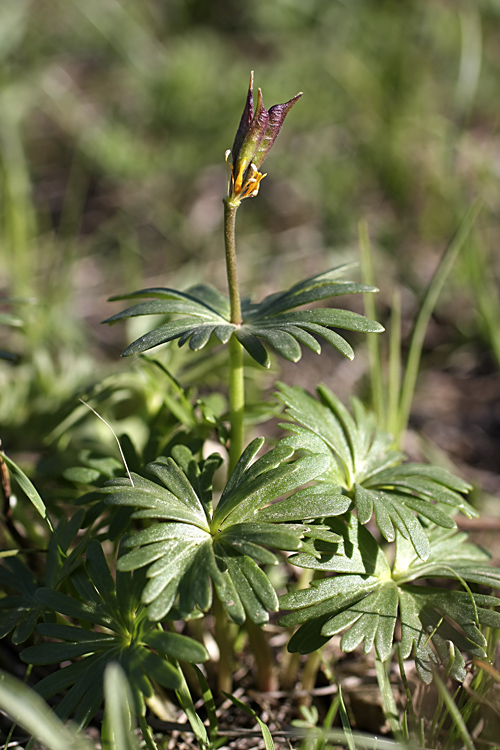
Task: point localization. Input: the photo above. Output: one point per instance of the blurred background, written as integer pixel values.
(114, 119)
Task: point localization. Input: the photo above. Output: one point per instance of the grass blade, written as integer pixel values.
(346, 724)
(455, 714)
(372, 340)
(266, 734)
(428, 304)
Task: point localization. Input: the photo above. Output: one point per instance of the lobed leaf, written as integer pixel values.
(363, 600)
(403, 497)
(205, 313)
(252, 495)
(196, 545)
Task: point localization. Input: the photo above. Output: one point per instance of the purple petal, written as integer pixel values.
(277, 116)
(246, 119)
(249, 147)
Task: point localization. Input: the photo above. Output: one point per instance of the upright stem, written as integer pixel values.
(236, 382)
(266, 673)
(224, 640)
(236, 401)
(388, 702)
(230, 209)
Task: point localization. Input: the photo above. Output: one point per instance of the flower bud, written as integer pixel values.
(256, 134)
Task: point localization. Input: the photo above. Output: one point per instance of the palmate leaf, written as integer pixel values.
(116, 629)
(365, 597)
(194, 547)
(404, 497)
(204, 312)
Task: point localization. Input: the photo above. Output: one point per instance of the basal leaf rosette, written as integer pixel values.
(403, 497)
(113, 627)
(191, 546)
(364, 597)
(202, 314)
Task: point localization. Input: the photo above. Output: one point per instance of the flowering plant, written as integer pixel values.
(368, 527)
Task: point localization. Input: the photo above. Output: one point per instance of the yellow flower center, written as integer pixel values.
(247, 181)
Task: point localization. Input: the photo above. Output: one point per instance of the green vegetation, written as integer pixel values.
(175, 534)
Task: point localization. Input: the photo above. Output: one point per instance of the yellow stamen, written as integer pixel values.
(239, 188)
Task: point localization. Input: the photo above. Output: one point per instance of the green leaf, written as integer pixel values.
(158, 501)
(19, 612)
(186, 702)
(129, 638)
(253, 346)
(175, 480)
(318, 501)
(209, 705)
(99, 572)
(229, 596)
(70, 607)
(29, 710)
(264, 534)
(118, 712)
(27, 487)
(158, 669)
(356, 551)
(196, 545)
(183, 648)
(48, 653)
(254, 607)
(402, 496)
(162, 335)
(254, 492)
(365, 597)
(266, 734)
(206, 313)
(320, 422)
(283, 343)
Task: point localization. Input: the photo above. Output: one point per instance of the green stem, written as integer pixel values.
(409, 700)
(147, 734)
(388, 702)
(310, 675)
(186, 702)
(224, 640)
(236, 381)
(394, 367)
(231, 268)
(266, 673)
(236, 401)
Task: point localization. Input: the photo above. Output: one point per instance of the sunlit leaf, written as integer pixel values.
(198, 545)
(206, 313)
(403, 497)
(364, 598)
